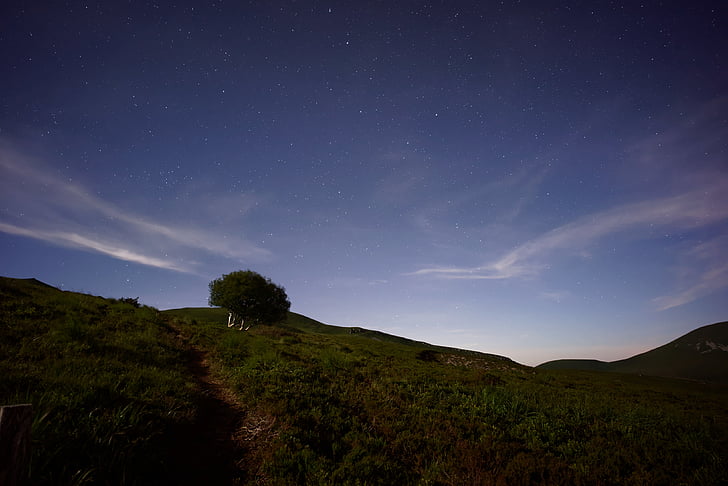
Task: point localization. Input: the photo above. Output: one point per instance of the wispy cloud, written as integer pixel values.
(78, 241)
(697, 140)
(690, 210)
(680, 171)
(703, 270)
(511, 194)
(37, 203)
(556, 295)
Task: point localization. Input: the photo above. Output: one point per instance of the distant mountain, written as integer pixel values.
(700, 355)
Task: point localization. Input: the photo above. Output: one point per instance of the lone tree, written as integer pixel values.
(250, 298)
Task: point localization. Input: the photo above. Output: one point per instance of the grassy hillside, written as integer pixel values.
(335, 407)
(105, 378)
(114, 388)
(302, 324)
(699, 355)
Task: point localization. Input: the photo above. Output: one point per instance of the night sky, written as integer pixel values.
(534, 179)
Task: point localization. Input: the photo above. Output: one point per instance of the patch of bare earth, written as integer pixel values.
(226, 442)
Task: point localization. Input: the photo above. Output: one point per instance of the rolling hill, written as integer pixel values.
(125, 394)
(300, 323)
(700, 355)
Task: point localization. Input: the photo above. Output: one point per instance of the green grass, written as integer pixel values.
(335, 405)
(105, 378)
(357, 409)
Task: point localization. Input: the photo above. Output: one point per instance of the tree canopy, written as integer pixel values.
(250, 296)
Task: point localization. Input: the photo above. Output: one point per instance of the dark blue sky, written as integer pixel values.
(534, 179)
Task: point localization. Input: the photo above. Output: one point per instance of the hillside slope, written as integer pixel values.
(301, 323)
(337, 405)
(700, 355)
(124, 394)
(107, 381)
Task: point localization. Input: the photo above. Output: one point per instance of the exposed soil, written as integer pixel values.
(223, 445)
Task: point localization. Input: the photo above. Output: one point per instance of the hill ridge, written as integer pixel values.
(701, 354)
(302, 323)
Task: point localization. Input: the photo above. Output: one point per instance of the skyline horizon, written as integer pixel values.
(525, 179)
(636, 350)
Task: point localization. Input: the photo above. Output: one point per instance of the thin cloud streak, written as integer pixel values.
(710, 281)
(556, 296)
(703, 272)
(512, 202)
(47, 208)
(690, 210)
(77, 241)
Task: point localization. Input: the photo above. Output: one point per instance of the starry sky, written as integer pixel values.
(534, 179)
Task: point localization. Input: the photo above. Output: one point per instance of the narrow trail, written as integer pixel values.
(223, 444)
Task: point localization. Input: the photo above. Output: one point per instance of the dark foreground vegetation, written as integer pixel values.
(110, 386)
(106, 378)
(363, 408)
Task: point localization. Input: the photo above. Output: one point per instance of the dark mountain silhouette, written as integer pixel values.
(700, 355)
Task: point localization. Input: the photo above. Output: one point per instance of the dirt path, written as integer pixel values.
(222, 446)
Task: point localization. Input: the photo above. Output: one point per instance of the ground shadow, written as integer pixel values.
(207, 451)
